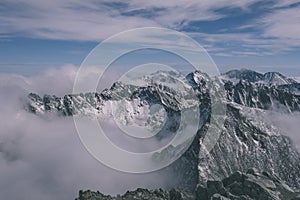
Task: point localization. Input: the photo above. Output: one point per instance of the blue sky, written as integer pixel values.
(259, 35)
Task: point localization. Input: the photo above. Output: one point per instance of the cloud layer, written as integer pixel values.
(42, 157)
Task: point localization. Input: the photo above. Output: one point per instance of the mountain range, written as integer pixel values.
(248, 140)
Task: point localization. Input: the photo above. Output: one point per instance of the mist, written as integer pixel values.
(288, 124)
(42, 157)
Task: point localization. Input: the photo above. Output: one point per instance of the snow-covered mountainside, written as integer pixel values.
(292, 88)
(270, 78)
(247, 140)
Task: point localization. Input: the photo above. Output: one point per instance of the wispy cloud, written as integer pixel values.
(273, 30)
(66, 20)
(269, 33)
(283, 25)
(91, 20)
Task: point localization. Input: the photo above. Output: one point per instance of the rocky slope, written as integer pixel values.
(251, 185)
(247, 139)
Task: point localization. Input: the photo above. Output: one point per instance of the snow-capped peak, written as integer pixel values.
(269, 78)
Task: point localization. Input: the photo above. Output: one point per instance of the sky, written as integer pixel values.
(260, 35)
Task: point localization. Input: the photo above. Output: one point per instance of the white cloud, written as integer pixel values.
(285, 3)
(288, 124)
(69, 20)
(91, 20)
(283, 25)
(57, 81)
(276, 31)
(297, 79)
(245, 44)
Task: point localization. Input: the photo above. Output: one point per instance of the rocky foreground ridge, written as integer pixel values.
(251, 185)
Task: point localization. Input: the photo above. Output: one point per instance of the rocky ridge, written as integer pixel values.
(251, 185)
